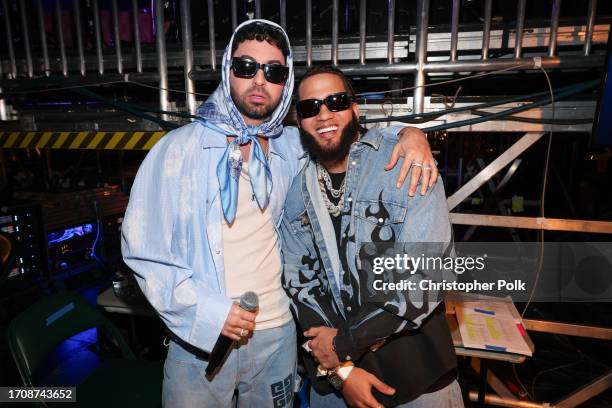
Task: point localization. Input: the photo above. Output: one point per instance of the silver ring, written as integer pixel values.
(426, 168)
(417, 164)
(242, 333)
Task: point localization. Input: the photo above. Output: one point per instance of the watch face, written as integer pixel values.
(335, 381)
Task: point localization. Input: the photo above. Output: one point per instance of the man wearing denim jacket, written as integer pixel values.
(200, 229)
(364, 349)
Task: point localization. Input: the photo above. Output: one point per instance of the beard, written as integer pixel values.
(331, 153)
(258, 111)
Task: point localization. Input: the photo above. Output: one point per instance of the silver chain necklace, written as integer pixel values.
(325, 184)
(324, 175)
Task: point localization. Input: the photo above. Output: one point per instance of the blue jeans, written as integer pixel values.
(447, 397)
(262, 371)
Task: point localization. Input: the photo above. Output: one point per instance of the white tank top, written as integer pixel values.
(252, 258)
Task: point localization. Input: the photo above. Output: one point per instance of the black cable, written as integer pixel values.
(416, 118)
(169, 113)
(413, 118)
(543, 194)
(423, 120)
(464, 108)
(127, 108)
(61, 88)
(511, 118)
(564, 94)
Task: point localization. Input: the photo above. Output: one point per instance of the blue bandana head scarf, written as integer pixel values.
(220, 114)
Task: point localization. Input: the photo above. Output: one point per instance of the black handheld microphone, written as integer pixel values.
(249, 302)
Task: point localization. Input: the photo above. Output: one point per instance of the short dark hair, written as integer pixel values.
(261, 32)
(328, 69)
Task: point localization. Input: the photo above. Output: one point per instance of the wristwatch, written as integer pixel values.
(338, 375)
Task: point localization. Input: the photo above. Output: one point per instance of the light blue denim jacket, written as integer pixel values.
(172, 232)
(328, 285)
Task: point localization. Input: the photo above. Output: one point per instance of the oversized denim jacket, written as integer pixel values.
(327, 289)
(172, 232)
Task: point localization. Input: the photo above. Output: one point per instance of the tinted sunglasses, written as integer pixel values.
(337, 102)
(245, 68)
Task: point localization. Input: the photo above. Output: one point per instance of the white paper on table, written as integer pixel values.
(491, 326)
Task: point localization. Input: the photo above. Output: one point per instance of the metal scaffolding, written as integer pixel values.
(466, 50)
(420, 54)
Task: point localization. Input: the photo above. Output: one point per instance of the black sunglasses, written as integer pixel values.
(245, 68)
(337, 102)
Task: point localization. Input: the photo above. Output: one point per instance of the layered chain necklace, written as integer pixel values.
(325, 183)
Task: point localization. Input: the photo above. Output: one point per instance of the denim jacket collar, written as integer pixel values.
(372, 138)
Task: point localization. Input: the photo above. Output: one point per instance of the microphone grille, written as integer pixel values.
(249, 301)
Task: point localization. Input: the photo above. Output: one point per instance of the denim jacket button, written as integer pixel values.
(380, 220)
(354, 162)
(349, 308)
(350, 199)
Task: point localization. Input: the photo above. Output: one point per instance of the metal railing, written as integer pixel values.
(362, 57)
(555, 46)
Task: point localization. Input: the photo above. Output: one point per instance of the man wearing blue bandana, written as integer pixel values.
(201, 228)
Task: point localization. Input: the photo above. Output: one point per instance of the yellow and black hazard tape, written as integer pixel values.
(80, 140)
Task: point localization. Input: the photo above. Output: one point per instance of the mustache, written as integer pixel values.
(258, 89)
